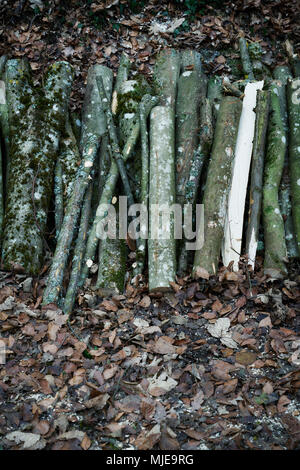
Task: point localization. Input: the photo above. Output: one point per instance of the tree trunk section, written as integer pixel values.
(35, 123)
(218, 184)
(93, 129)
(294, 152)
(274, 235)
(283, 73)
(78, 252)
(256, 178)
(166, 74)
(161, 252)
(245, 58)
(65, 172)
(214, 94)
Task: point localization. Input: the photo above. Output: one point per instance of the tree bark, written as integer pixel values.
(283, 73)
(161, 252)
(191, 92)
(112, 266)
(65, 172)
(93, 129)
(145, 106)
(2, 104)
(256, 178)
(78, 252)
(166, 74)
(218, 184)
(214, 94)
(293, 92)
(35, 123)
(108, 193)
(190, 104)
(274, 236)
(245, 58)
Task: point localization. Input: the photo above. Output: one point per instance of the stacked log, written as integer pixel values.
(182, 138)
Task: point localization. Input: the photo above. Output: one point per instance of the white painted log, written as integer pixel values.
(232, 241)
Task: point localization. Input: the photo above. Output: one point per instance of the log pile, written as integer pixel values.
(184, 138)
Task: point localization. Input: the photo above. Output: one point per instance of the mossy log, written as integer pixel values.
(112, 266)
(107, 195)
(2, 104)
(93, 129)
(218, 184)
(4, 130)
(214, 94)
(130, 95)
(274, 235)
(245, 58)
(65, 171)
(293, 93)
(35, 122)
(161, 251)
(145, 106)
(165, 77)
(122, 76)
(191, 92)
(256, 178)
(294, 59)
(283, 73)
(191, 60)
(78, 251)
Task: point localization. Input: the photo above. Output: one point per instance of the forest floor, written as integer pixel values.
(213, 365)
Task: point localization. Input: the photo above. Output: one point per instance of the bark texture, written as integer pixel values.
(214, 94)
(35, 122)
(166, 74)
(218, 184)
(256, 177)
(161, 252)
(294, 152)
(274, 235)
(65, 172)
(78, 252)
(245, 58)
(93, 129)
(283, 73)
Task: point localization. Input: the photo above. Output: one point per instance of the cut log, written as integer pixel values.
(106, 197)
(293, 58)
(65, 172)
(130, 95)
(146, 104)
(191, 92)
(257, 169)
(161, 252)
(93, 129)
(218, 184)
(245, 58)
(78, 252)
(191, 60)
(4, 130)
(233, 231)
(122, 76)
(231, 89)
(214, 94)
(112, 266)
(2, 104)
(274, 235)
(166, 74)
(293, 92)
(283, 73)
(35, 122)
